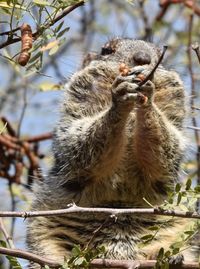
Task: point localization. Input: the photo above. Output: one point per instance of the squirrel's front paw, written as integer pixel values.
(124, 94)
(147, 90)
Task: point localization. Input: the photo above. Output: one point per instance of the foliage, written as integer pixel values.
(183, 197)
(82, 257)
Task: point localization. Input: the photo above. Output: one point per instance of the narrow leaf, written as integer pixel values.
(188, 184)
(61, 33)
(41, 3)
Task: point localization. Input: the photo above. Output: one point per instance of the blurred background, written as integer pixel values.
(30, 94)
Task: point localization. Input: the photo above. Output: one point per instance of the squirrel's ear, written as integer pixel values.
(89, 58)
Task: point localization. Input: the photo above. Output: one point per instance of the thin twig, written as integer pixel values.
(29, 256)
(194, 107)
(9, 127)
(149, 76)
(6, 235)
(147, 27)
(25, 103)
(14, 150)
(193, 128)
(195, 47)
(164, 4)
(18, 157)
(38, 138)
(94, 234)
(9, 32)
(72, 208)
(13, 207)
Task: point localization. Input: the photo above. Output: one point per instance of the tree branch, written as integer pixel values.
(96, 263)
(128, 264)
(38, 138)
(6, 235)
(29, 256)
(72, 208)
(164, 4)
(193, 127)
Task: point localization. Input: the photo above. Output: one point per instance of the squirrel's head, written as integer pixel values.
(129, 51)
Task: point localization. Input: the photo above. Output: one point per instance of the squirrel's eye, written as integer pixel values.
(106, 50)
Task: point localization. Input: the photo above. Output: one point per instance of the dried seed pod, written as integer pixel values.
(26, 41)
(141, 76)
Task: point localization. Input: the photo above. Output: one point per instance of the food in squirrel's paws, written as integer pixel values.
(124, 71)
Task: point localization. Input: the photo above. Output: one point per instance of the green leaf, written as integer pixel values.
(14, 262)
(101, 249)
(147, 237)
(171, 200)
(166, 265)
(65, 266)
(57, 29)
(179, 198)
(61, 33)
(3, 244)
(158, 265)
(5, 4)
(188, 184)
(175, 251)
(41, 3)
(160, 254)
(76, 251)
(50, 45)
(189, 232)
(89, 256)
(154, 228)
(178, 187)
(54, 50)
(35, 57)
(197, 189)
(192, 203)
(183, 207)
(80, 261)
(48, 86)
(167, 254)
(176, 245)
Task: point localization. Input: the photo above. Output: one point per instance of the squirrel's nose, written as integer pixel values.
(141, 58)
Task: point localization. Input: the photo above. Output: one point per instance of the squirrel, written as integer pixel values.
(111, 150)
